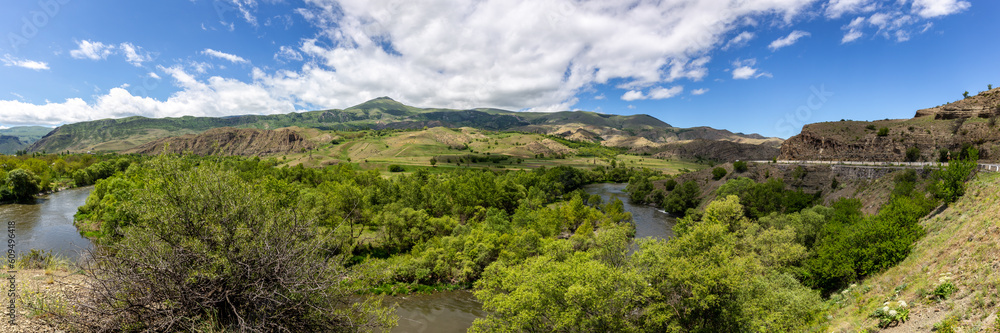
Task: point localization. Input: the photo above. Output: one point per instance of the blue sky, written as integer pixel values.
(763, 66)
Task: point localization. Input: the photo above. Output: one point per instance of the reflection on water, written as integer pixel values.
(649, 221)
(450, 311)
(48, 223)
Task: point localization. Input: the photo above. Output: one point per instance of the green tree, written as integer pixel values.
(884, 131)
(965, 94)
(23, 185)
(682, 198)
(951, 185)
(718, 173)
(434, 161)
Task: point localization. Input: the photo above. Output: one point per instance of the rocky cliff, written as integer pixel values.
(942, 130)
(230, 141)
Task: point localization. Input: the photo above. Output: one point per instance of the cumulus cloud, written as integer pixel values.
(451, 53)
(744, 69)
(792, 38)
(91, 50)
(214, 97)
(935, 8)
(701, 91)
(225, 56)
(10, 61)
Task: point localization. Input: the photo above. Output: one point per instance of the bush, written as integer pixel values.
(870, 127)
(944, 290)
(718, 173)
(951, 183)
(396, 168)
(884, 131)
(23, 185)
(670, 184)
(740, 166)
(912, 154)
(207, 246)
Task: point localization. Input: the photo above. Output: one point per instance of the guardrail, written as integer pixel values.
(982, 166)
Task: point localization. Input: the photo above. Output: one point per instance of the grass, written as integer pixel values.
(953, 269)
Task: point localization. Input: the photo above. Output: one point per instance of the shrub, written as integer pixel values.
(718, 173)
(870, 127)
(944, 290)
(207, 246)
(396, 168)
(670, 184)
(23, 185)
(912, 154)
(965, 94)
(740, 166)
(884, 131)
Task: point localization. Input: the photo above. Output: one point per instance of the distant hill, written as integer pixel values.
(385, 113)
(10, 144)
(18, 138)
(934, 131)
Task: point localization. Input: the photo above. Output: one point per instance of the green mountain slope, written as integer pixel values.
(382, 113)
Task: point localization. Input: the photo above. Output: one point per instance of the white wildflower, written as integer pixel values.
(886, 303)
(885, 309)
(892, 313)
(902, 304)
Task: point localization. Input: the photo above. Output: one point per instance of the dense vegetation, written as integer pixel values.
(24, 176)
(540, 254)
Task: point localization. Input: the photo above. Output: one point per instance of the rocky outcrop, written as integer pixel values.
(720, 151)
(983, 105)
(230, 141)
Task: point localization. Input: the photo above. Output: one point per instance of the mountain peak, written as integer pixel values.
(382, 103)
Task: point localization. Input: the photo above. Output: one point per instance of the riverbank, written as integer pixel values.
(39, 289)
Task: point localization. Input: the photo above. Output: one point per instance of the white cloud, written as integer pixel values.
(225, 56)
(214, 97)
(600, 97)
(664, 93)
(287, 54)
(744, 69)
(134, 54)
(853, 30)
(837, 8)
(935, 8)
(154, 75)
(655, 93)
(701, 91)
(10, 61)
(787, 40)
(91, 50)
(632, 95)
(451, 53)
(739, 40)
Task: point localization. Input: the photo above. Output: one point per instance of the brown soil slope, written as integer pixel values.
(230, 141)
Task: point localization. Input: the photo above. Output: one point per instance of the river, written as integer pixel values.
(47, 224)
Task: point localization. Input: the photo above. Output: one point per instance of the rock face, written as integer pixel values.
(723, 151)
(230, 141)
(968, 122)
(983, 105)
